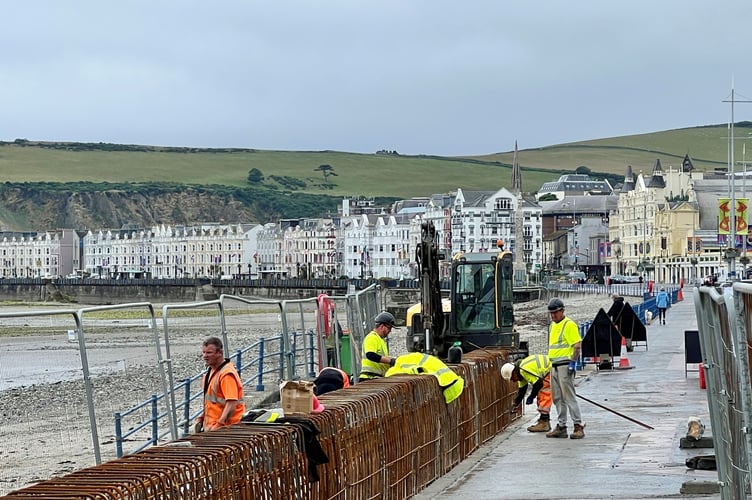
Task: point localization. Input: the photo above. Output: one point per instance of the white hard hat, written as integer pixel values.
(506, 371)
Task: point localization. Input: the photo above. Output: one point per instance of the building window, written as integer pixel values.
(503, 204)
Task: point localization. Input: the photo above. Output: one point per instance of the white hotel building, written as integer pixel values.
(364, 245)
(171, 252)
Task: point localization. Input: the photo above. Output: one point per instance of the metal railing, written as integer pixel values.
(288, 358)
(724, 320)
(193, 391)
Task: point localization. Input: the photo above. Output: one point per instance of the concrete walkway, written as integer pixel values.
(617, 458)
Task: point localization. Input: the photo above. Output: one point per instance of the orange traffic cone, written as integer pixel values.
(623, 359)
(679, 296)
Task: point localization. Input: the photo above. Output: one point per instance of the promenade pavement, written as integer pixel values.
(617, 458)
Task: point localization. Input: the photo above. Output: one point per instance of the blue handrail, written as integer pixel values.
(192, 392)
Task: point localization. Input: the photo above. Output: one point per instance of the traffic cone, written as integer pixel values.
(679, 296)
(623, 359)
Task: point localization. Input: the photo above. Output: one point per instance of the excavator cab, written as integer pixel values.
(478, 311)
(481, 301)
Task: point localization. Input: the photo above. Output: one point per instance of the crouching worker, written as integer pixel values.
(533, 370)
(330, 379)
(417, 363)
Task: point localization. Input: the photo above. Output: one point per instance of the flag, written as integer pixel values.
(740, 214)
(742, 204)
(724, 216)
(694, 244)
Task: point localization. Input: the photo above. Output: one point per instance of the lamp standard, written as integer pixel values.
(731, 251)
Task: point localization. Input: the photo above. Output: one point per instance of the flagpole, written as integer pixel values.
(731, 252)
(732, 259)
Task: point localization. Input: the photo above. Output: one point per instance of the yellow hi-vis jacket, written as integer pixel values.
(562, 337)
(533, 368)
(373, 343)
(417, 363)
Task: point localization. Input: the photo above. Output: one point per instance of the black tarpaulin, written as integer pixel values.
(626, 321)
(601, 338)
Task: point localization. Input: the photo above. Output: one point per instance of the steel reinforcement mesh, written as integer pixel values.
(387, 438)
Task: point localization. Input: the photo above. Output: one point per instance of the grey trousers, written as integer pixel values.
(562, 387)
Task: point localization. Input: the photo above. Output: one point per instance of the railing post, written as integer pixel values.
(260, 379)
(294, 352)
(118, 434)
(312, 373)
(239, 362)
(154, 420)
(187, 407)
(282, 363)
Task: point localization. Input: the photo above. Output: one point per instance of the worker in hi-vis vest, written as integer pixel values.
(223, 389)
(417, 363)
(375, 353)
(533, 371)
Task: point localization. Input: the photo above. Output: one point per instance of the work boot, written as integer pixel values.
(558, 432)
(540, 426)
(579, 431)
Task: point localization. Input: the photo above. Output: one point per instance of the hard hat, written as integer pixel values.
(385, 318)
(555, 305)
(506, 371)
(317, 406)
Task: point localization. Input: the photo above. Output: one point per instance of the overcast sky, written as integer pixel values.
(416, 76)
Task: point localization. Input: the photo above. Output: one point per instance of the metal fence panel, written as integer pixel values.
(40, 349)
(117, 379)
(715, 321)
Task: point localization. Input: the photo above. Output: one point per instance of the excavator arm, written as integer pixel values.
(428, 257)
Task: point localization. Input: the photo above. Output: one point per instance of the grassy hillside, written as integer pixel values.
(358, 174)
(707, 146)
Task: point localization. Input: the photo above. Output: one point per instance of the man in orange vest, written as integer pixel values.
(223, 389)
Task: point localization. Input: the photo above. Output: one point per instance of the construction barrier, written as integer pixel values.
(387, 438)
(724, 321)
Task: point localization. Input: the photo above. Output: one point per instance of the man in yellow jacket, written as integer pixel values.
(376, 360)
(534, 370)
(564, 348)
(417, 363)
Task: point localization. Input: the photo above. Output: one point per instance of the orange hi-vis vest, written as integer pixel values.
(220, 386)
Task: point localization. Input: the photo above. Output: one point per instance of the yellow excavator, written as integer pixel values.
(478, 311)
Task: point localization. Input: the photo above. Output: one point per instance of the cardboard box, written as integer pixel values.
(296, 397)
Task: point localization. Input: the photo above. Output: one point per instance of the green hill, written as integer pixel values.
(707, 146)
(72, 182)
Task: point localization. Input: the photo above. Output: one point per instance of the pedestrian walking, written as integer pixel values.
(661, 302)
